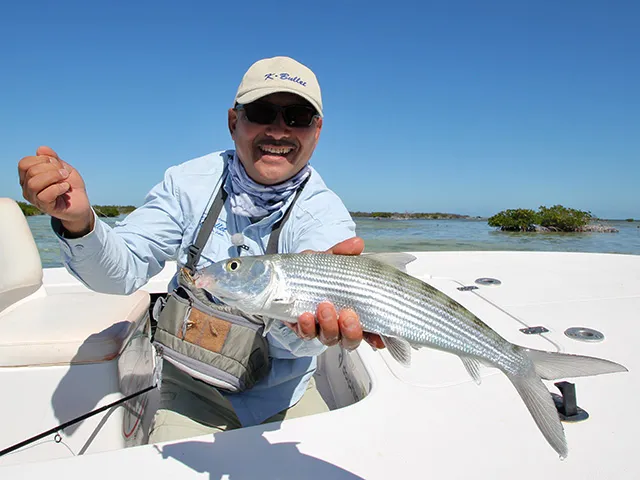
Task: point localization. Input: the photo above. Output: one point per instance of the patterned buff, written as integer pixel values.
(251, 199)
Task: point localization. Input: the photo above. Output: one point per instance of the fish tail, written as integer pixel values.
(551, 366)
(543, 410)
(555, 365)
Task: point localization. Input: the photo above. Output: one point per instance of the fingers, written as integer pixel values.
(26, 165)
(350, 328)
(50, 194)
(43, 155)
(333, 328)
(46, 152)
(330, 328)
(42, 175)
(328, 323)
(326, 328)
(28, 162)
(37, 175)
(306, 326)
(350, 246)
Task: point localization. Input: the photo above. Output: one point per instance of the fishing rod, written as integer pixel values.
(74, 421)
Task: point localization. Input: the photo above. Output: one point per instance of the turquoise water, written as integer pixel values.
(422, 235)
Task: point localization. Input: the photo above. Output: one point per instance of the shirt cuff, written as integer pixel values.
(82, 246)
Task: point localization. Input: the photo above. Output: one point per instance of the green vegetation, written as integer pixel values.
(381, 214)
(112, 210)
(518, 220)
(563, 219)
(101, 210)
(28, 209)
(629, 220)
(556, 218)
(408, 216)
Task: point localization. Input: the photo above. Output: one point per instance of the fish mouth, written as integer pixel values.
(212, 287)
(204, 282)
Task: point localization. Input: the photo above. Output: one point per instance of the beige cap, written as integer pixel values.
(279, 74)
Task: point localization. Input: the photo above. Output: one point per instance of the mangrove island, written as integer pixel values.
(410, 216)
(547, 219)
(101, 210)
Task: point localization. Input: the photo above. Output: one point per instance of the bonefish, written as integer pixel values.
(405, 311)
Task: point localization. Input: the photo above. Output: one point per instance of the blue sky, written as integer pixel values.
(460, 106)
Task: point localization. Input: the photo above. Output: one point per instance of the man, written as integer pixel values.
(275, 124)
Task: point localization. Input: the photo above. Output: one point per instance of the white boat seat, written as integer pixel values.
(58, 329)
(20, 266)
(64, 329)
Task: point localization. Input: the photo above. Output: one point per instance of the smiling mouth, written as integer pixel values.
(280, 150)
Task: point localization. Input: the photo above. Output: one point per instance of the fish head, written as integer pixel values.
(240, 282)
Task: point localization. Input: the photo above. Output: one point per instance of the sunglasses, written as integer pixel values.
(262, 113)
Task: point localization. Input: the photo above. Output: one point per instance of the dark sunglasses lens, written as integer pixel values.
(261, 113)
(298, 115)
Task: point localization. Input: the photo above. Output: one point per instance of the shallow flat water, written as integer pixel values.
(47, 242)
(421, 235)
(424, 235)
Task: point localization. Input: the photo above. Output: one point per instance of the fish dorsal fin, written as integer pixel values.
(473, 367)
(398, 260)
(399, 349)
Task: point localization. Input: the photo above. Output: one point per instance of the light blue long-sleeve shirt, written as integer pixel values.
(122, 259)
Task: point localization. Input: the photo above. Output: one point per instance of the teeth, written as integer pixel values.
(276, 150)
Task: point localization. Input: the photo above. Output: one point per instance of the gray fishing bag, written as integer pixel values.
(212, 342)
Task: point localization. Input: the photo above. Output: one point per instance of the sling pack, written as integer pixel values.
(211, 342)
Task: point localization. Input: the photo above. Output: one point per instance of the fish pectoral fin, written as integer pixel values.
(399, 349)
(283, 301)
(280, 306)
(268, 323)
(473, 367)
(395, 259)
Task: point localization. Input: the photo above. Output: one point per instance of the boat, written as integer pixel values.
(66, 351)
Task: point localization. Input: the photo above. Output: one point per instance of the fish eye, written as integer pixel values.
(232, 265)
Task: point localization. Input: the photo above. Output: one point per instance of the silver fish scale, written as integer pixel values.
(392, 303)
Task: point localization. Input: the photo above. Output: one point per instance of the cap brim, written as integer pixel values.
(258, 93)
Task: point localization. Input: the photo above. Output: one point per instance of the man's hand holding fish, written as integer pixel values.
(329, 326)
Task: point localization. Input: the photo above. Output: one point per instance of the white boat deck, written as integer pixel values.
(432, 420)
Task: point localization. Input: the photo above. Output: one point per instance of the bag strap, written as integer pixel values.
(195, 250)
(272, 246)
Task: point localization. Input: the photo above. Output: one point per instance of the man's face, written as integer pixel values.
(273, 153)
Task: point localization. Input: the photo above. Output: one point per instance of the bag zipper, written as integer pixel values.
(214, 376)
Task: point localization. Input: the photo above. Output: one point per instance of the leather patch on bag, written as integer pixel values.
(206, 331)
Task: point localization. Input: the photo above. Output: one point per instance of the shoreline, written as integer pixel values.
(117, 210)
(414, 216)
